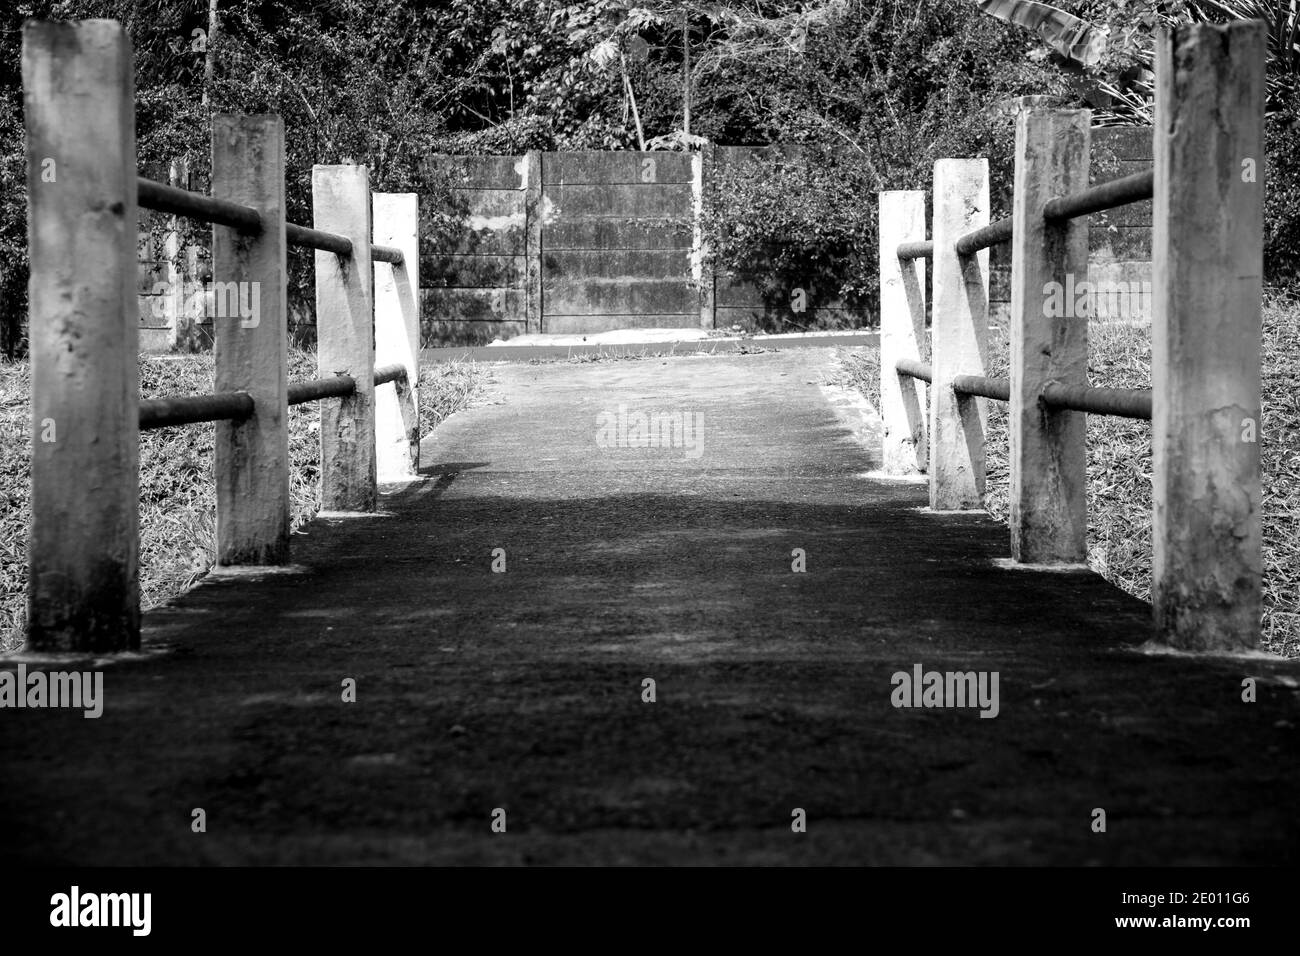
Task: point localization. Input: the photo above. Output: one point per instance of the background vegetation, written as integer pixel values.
(875, 90)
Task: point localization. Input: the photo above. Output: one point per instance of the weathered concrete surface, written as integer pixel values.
(78, 95)
(522, 690)
(345, 337)
(1048, 448)
(250, 352)
(959, 335)
(1208, 257)
(905, 444)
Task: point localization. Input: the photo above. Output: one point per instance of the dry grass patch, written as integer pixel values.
(1119, 459)
(177, 494)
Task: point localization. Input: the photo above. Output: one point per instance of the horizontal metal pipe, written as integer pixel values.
(914, 368)
(386, 254)
(916, 250)
(998, 389)
(983, 237)
(182, 202)
(1124, 402)
(1117, 192)
(336, 386)
(389, 373)
(190, 409)
(315, 239)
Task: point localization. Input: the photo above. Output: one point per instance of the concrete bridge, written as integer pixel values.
(523, 690)
(675, 610)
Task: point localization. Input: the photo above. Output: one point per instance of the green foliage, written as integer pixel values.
(875, 97)
(795, 221)
(886, 86)
(1282, 199)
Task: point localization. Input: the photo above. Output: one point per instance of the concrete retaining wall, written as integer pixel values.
(591, 241)
(587, 242)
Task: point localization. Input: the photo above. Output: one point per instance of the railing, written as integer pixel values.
(83, 202)
(1204, 403)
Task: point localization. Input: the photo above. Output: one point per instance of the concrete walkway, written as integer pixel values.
(522, 690)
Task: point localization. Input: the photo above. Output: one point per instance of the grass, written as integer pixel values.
(177, 494)
(1119, 460)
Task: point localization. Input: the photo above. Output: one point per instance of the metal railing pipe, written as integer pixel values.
(390, 254)
(1124, 402)
(302, 236)
(191, 409)
(182, 202)
(916, 250)
(998, 389)
(914, 368)
(336, 386)
(389, 373)
(1117, 192)
(990, 235)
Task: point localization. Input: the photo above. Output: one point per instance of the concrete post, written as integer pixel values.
(251, 459)
(1208, 264)
(959, 334)
(904, 448)
(1049, 340)
(346, 338)
(397, 335)
(79, 109)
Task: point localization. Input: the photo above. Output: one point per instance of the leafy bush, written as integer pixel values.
(1282, 199)
(877, 96)
(795, 222)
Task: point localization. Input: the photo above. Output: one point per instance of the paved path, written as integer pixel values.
(523, 690)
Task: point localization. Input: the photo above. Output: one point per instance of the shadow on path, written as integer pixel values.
(522, 690)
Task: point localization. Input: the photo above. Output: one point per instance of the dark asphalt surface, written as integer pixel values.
(522, 690)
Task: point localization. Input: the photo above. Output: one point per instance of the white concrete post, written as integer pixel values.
(251, 460)
(1208, 265)
(1049, 340)
(346, 338)
(79, 109)
(397, 335)
(959, 334)
(904, 447)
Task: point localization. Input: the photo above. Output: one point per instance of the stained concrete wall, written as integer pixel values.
(474, 252)
(616, 240)
(1119, 240)
(586, 242)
